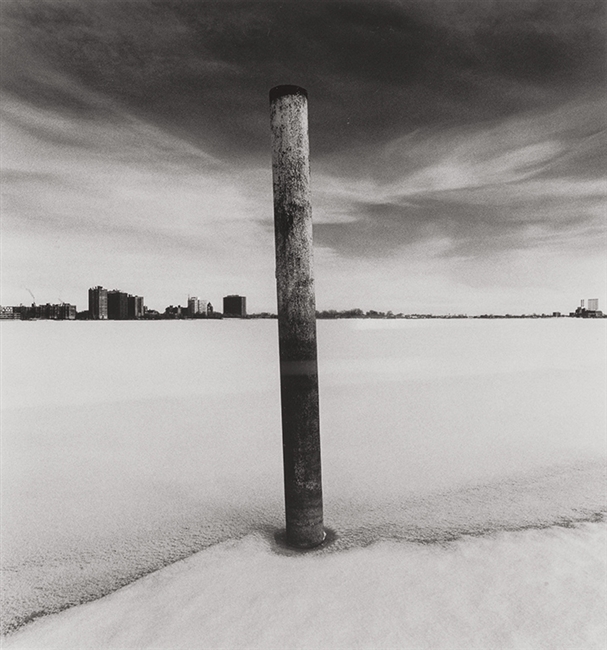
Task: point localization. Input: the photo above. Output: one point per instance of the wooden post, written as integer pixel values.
(296, 316)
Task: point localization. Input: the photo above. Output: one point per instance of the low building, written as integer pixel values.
(65, 311)
(173, 311)
(62, 311)
(10, 313)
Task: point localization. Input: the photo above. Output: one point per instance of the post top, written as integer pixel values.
(281, 91)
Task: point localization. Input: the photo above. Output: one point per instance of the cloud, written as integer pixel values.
(443, 131)
(117, 196)
(374, 70)
(514, 183)
(118, 135)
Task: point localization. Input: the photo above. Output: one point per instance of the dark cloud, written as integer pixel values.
(586, 160)
(479, 124)
(373, 69)
(468, 229)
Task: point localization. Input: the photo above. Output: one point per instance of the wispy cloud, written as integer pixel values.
(121, 188)
(444, 135)
(489, 186)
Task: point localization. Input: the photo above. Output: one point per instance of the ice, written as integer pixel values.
(463, 462)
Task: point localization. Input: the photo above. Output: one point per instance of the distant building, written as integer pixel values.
(65, 311)
(134, 307)
(10, 313)
(197, 307)
(117, 305)
(235, 306)
(45, 312)
(175, 312)
(98, 306)
(591, 312)
(62, 311)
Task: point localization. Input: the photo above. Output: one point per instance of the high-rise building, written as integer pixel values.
(98, 309)
(593, 304)
(135, 307)
(117, 305)
(197, 307)
(235, 306)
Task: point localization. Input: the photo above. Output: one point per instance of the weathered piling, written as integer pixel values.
(296, 316)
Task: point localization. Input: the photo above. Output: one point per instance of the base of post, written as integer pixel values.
(280, 537)
(305, 534)
(307, 543)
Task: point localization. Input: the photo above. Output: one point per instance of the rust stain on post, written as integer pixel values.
(296, 316)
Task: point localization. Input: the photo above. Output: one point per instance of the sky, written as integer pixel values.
(457, 151)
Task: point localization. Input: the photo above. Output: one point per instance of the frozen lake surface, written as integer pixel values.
(463, 470)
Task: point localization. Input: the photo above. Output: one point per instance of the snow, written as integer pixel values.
(463, 461)
(504, 591)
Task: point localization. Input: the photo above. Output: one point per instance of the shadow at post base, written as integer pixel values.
(281, 547)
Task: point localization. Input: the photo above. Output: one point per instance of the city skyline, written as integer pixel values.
(114, 304)
(456, 150)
